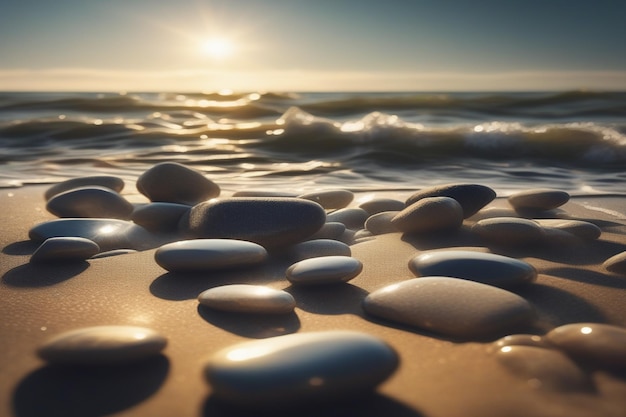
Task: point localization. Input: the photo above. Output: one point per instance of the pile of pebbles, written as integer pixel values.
(460, 294)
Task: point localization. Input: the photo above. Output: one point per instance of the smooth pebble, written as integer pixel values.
(324, 270)
(380, 223)
(318, 247)
(330, 230)
(522, 340)
(300, 369)
(114, 183)
(102, 345)
(450, 306)
(509, 231)
(430, 214)
(539, 199)
(378, 205)
(160, 217)
(209, 254)
(471, 197)
(64, 249)
(579, 228)
(352, 218)
(616, 263)
(241, 298)
(487, 268)
(96, 202)
(330, 199)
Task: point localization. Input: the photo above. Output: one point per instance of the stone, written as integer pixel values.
(240, 298)
(95, 202)
(160, 217)
(300, 369)
(324, 270)
(538, 199)
(330, 230)
(579, 228)
(271, 221)
(616, 263)
(261, 193)
(330, 199)
(600, 344)
(509, 231)
(318, 247)
(471, 197)
(113, 183)
(64, 249)
(544, 369)
(451, 307)
(380, 223)
(115, 252)
(491, 212)
(102, 345)
(209, 254)
(522, 340)
(171, 182)
(487, 268)
(429, 215)
(352, 218)
(378, 205)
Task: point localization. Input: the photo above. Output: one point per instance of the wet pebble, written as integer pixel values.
(616, 263)
(471, 197)
(450, 306)
(330, 230)
(380, 223)
(600, 344)
(64, 249)
(487, 268)
(209, 254)
(352, 218)
(102, 345)
(172, 182)
(271, 221)
(539, 199)
(430, 214)
(300, 369)
(114, 183)
(319, 247)
(324, 270)
(378, 205)
(509, 231)
(160, 217)
(330, 199)
(96, 202)
(579, 228)
(240, 298)
(522, 340)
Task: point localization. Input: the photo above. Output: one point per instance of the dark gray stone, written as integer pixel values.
(160, 217)
(430, 215)
(64, 249)
(471, 197)
(94, 202)
(114, 183)
(330, 199)
(538, 199)
(352, 218)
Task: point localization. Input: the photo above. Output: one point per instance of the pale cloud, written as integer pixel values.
(85, 79)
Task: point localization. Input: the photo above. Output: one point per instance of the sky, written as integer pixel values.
(312, 45)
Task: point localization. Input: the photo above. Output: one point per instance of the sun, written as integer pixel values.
(218, 48)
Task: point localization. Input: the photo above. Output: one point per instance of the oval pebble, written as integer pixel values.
(64, 249)
(430, 214)
(538, 199)
(271, 222)
(102, 345)
(300, 369)
(600, 344)
(172, 182)
(209, 254)
(582, 229)
(378, 205)
(616, 263)
(324, 270)
(491, 212)
(522, 340)
(352, 218)
(450, 306)
(487, 268)
(471, 197)
(509, 231)
(330, 230)
(319, 247)
(240, 298)
(380, 223)
(97, 202)
(114, 183)
(330, 199)
(160, 217)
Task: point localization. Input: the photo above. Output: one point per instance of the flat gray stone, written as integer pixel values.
(171, 182)
(491, 212)
(616, 263)
(240, 298)
(160, 217)
(599, 344)
(330, 199)
(330, 230)
(352, 218)
(271, 222)
(95, 202)
(450, 306)
(319, 247)
(539, 199)
(487, 268)
(471, 197)
(429, 215)
(509, 231)
(64, 249)
(114, 183)
(102, 345)
(380, 223)
(579, 228)
(378, 205)
(324, 270)
(209, 254)
(300, 369)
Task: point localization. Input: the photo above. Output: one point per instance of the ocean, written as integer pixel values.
(299, 142)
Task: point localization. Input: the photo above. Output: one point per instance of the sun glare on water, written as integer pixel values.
(218, 48)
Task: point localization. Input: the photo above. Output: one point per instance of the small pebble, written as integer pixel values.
(330, 230)
(539, 199)
(487, 268)
(318, 247)
(114, 183)
(378, 205)
(450, 306)
(324, 270)
(300, 369)
(330, 199)
(240, 298)
(491, 212)
(96, 202)
(522, 340)
(471, 197)
(209, 254)
(102, 345)
(600, 344)
(616, 263)
(64, 249)
(380, 223)
(509, 231)
(582, 229)
(352, 218)
(430, 214)
(160, 217)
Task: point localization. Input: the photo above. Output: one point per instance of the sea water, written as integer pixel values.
(298, 142)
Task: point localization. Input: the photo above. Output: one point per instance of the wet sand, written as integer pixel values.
(438, 377)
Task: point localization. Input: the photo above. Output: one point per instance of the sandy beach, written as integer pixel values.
(437, 376)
